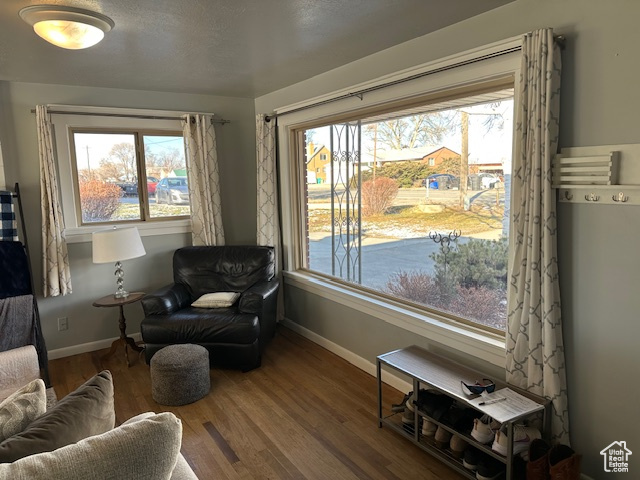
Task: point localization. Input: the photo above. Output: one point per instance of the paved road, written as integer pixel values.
(379, 260)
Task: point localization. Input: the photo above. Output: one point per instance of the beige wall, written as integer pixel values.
(236, 149)
(598, 253)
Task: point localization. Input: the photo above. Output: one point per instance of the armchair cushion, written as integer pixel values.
(147, 448)
(20, 409)
(216, 300)
(87, 411)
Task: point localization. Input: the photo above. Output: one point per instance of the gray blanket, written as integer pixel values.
(17, 322)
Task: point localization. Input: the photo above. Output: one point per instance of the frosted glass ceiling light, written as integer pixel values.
(67, 27)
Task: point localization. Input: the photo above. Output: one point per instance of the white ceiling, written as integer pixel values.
(243, 48)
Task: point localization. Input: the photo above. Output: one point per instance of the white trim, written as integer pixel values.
(63, 123)
(86, 347)
(349, 356)
(146, 229)
(454, 59)
(468, 340)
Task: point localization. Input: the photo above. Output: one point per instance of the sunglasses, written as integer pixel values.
(487, 385)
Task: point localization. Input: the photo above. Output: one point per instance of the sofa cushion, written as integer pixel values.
(20, 409)
(205, 269)
(216, 300)
(85, 412)
(147, 448)
(190, 325)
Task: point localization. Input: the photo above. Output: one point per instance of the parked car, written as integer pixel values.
(152, 182)
(129, 189)
(488, 180)
(442, 181)
(172, 190)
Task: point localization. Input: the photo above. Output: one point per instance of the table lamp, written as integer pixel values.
(116, 245)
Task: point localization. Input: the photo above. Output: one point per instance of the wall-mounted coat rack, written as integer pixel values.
(606, 175)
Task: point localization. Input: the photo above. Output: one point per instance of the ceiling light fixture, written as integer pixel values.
(67, 27)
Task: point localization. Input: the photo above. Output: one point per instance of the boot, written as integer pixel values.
(564, 463)
(538, 464)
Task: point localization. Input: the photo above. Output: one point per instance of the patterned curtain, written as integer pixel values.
(535, 352)
(204, 183)
(268, 228)
(56, 275)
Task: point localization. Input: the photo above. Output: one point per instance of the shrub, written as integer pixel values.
(99, 200)
(407, 174)
(378, 195)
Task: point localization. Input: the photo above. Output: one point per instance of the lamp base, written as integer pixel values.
(121, 294)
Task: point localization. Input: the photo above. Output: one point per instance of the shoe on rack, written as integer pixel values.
(442, 438)
(457, 445)
(399, 407)
(433, 403)
(538, 464)
(408, 417)
(484, 429)
(471, 459)
(564, 463)
(428, 428)
(490, 469)
(522, 438)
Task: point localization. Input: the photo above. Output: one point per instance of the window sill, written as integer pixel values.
(480, 344)
(146, 229)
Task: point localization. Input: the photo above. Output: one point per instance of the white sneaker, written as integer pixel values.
(484, 429)
(428, 428)
(522, 438)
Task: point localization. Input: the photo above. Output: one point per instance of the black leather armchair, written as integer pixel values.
(235, 336)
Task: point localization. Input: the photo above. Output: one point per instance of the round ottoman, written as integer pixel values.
(180, 374)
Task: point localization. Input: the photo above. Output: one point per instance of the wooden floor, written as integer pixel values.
(304, 414)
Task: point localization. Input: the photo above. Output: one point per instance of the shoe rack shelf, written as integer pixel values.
(428, 370)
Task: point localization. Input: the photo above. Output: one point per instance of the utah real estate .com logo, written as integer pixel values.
(616, 457)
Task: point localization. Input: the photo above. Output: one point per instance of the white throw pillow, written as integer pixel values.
(21, 408)
(146, 449)
(216, 300)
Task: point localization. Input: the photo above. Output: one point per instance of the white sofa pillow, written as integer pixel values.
(145, 449)
(216, 300)
(21, 408)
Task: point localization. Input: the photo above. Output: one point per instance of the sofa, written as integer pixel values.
(76, 439)
(235, 332)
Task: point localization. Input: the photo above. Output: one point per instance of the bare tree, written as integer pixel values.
(412, 131)
(120, 164)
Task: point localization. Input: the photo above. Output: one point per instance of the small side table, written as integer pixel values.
(111, 301)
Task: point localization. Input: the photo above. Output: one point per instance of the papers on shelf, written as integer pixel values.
(514, 405)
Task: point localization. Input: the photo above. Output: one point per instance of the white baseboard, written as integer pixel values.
(349, 356)
(86, 347)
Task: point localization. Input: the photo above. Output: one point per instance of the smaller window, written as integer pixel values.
(323, 156)
(432, 161)
(129, 176)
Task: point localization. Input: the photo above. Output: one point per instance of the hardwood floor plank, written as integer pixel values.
(304, 414)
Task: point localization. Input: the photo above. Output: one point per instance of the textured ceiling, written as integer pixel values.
(243, 48)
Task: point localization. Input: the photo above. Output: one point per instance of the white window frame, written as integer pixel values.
(63, 123)
(473, 341)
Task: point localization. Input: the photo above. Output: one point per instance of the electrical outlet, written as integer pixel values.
(63, 324)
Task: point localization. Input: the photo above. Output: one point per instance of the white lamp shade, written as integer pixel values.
(116, 244)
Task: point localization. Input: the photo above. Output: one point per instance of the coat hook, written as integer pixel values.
(621, 197)
(592, 197)
(567, 195)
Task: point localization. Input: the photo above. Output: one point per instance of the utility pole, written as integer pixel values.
(88, 162)
(375, 149)
(464, 160)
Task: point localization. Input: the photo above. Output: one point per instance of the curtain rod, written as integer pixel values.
(560, 39)
(221, 121)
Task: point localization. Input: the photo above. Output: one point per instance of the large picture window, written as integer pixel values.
(412, 204)
(129, 175)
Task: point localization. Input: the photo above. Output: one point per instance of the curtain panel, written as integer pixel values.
(203, 179)
(535, 352)
(56, 275)
(268, 221)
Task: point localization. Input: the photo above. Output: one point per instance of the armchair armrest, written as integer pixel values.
(165, 300)
(261, 295)
(18, 367)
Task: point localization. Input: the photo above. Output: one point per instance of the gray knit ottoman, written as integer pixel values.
(180, 374)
